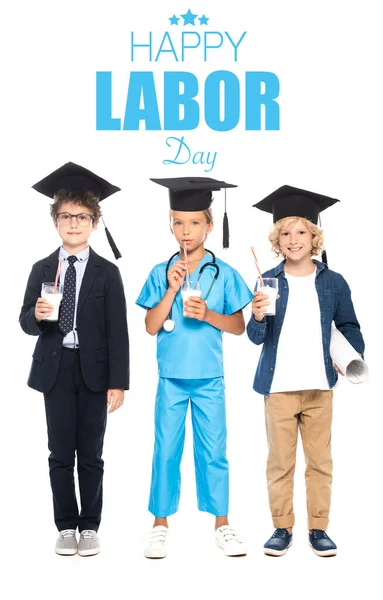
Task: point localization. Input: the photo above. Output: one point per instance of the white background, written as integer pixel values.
(327, 57)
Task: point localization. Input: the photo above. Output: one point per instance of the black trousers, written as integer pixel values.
(76, 421)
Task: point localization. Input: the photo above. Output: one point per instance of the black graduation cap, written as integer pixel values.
(288, 201)
(195, 193)
(77, 179)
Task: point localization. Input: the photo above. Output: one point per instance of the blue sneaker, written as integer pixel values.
(279, 543)
(321, 543)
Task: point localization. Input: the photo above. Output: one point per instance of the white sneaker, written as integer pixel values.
(157, 546)
(231, 543)
(66, 543)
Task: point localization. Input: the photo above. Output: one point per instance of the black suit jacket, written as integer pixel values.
(101, 327)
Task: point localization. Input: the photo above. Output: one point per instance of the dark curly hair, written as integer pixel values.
(85, 198)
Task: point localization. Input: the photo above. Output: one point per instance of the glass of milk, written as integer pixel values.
(269, 287)
(189, 290)
(54, 297)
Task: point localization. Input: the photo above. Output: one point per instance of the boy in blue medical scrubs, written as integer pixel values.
(190, 363)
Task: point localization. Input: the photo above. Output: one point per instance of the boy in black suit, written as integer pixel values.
(81, 360)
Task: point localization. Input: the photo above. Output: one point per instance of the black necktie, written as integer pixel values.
(69, 297)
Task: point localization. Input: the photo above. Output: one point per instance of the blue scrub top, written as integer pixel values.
(193, 350)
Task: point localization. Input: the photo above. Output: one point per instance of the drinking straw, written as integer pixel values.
(57, 276)
(256, 264)
(187, 269)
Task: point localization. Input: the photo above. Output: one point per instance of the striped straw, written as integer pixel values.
(187, 269)
(57, 275)
(256, 264)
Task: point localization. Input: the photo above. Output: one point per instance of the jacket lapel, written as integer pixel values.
(91, 271)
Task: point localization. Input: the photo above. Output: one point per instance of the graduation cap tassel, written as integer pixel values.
(225, 227)
(112, 244)
(324, 253)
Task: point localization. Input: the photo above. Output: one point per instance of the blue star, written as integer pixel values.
(174, 20)
(189, 18)
(203, 20)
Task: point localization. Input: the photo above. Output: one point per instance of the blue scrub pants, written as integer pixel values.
(207, 399)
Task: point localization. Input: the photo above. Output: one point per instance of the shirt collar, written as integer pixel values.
(81, 256)
(281, 267)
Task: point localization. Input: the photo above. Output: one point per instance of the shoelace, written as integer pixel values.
(87, 534)
(280, 533)
(230, 535)
(157, 536)
(318, 534)
(68, 533)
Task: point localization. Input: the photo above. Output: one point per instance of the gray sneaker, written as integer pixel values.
(89, 543)
(66, 543)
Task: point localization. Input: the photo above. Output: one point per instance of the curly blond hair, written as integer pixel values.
(317, 235)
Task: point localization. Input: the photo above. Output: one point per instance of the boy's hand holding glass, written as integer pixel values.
(176, 275)
(260, 305)
(194, 306)
(43, 309)
(51, 296)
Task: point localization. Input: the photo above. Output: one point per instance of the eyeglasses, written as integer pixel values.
(83, 219)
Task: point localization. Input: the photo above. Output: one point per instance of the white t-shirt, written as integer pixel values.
(300, 361)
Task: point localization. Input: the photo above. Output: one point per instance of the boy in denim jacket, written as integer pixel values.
(295, 372)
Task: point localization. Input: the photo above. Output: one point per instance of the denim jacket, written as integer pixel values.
(335, 305)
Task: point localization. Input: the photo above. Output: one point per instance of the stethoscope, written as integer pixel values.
(169, 324)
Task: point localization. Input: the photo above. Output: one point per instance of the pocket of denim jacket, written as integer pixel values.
(331, 298)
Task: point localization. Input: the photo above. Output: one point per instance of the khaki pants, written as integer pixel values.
(310, 411)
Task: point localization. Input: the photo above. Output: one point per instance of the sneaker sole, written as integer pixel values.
(323, 552)
(239, 552)
(155, 554)
(66, 552)
(92, 552)
(271, 552)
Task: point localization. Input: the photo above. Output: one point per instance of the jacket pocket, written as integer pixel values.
(38, 355)
(330, 299)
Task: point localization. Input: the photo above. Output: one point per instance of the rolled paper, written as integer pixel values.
(346, 358)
